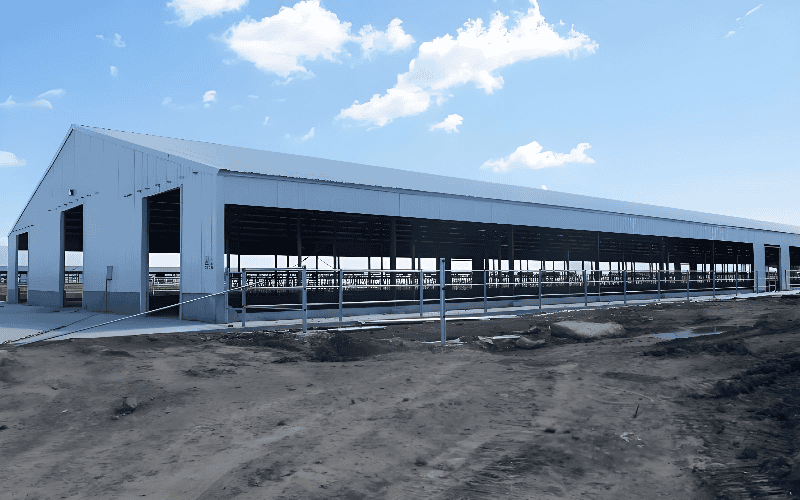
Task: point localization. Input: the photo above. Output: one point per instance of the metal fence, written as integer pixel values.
(792, 279)
(300, 289)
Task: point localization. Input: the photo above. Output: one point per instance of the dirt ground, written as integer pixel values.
(359, 415)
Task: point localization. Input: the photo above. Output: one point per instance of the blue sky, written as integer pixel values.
(693, 105)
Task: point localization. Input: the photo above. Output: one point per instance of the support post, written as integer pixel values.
(755, 281)
(304, 278)
(658, 274)
(714, 283)
(625, 287)
(442, 312)
(341, 296)
(243, 284)
(421, 292)
(540, 289)
(688, 280)
(736, 280)
(227, 287)
(585, 290)
(485, 296)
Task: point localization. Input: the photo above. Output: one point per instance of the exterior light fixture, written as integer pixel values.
(71, 192)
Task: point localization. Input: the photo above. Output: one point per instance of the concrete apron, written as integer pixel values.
(20, 320)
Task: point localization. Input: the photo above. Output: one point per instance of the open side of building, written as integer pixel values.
(118, 196)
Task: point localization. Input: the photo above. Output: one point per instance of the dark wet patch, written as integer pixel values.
(696, 345)
(262, 339)
(345, 347)
(208, 372)
(112, 352)
(287, 359)
(633, 377)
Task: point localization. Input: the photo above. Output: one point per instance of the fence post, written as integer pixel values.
(243, 284)
(585, 290)
(341, 296)
(625, 287)
(755, 281)
(658, 274)
(421, 292)
(688, 279)
(736, 281)
(485, 298)
(442, 277)
(227, 287)
(305, 298)
(714, 283)
(540, 289)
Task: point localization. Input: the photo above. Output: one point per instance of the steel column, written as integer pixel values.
(485, 298)
(421, 292)
(625, 286)
(540, 289)
(305, 298)
(442, 312)
(714, 283)
(658, 273)
(341, 295)
(585, 290)
(243, 284)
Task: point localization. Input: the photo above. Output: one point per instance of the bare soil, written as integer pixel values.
(380, 414)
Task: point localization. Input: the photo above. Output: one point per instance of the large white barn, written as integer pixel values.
(119, 196)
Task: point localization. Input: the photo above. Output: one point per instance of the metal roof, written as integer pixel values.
(245, 160)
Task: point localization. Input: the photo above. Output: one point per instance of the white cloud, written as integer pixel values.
(236, 107)
(169, 104)
(51, 93)
(560, 22)
(251, 96)
(531, 156)
(116, 41)
(753, 10)
(281, 43)
(284, 43)
(544, 187)
(403, 99)
(309, 135)
(267, 119)
(473, 56)
(449, 124)
(209, 97)
(191, 11)
(114, 71)
(391, 40)
(729, 34)
(41, 100)
(10, 160)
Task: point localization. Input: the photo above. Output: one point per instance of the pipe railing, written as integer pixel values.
(302, 284)
(572, 283)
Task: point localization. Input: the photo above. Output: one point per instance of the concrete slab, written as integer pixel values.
(20, 320)
(585, 330)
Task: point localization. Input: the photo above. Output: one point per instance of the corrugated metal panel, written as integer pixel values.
(279, 164)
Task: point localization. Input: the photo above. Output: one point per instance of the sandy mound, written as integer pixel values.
(584, 330)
